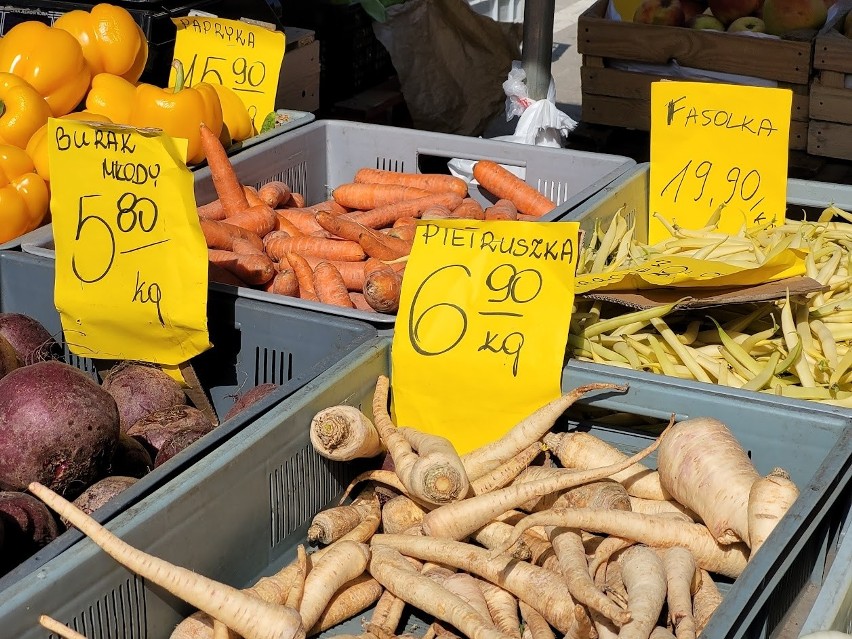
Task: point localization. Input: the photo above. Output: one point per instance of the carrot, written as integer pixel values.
(583, 450)
(212, 211)
(360, 302)
(352, 272)
(285, 282)
(225, 180)
(435, 473)
(60, 629)
(505, 185)
(405, 221)
(259, 219)
(681, 581)
(501, 210)
(382, 289)
(304, 245)
(434, 182)
(469, 208)
(369, 196)
(486, 458)
(654, 530)
(458, 520)
(304, 219)
(645, 580)
(703, 466)
(353, 597)
(343, 433)
(341, 226)
(403, 580)
(282, 223)
(382, 216)
(223, 276)
(296, 201)
(304, 274)
(252, 197)
(246, 247)
(221, 235)
(405, 233)
(345, 560)
(383, 247)
(330, 287)
(274, 193)
(436, 212)
(251, 269)
(250, 617)
(541, 589)
(769, 500)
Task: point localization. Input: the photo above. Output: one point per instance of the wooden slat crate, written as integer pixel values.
(830, 127)
(615, 97)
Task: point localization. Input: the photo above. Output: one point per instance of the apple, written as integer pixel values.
(783, 16)
(729, 10)
(664, 12)
(692, 8)
(749, 23)
(706, 22)
(847, 25)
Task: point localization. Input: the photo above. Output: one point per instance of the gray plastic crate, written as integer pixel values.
(832, 609)
(254, 344)
(316, 158)
(241, 513)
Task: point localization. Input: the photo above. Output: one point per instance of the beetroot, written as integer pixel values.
(27, 524)
(141, 389)
(57, 427)
(31, 341)
(131, 458)
(100, 493)
(8, 357)
(248, 398)
(155, 429)
(176, 443)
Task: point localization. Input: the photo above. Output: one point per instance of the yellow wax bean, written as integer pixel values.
(737, 351)
(791, 337)
(604, 353)
(604, 326)
(843, 365)
(760, 380)
(826, 340)
(624, 349)
(662, 357)
(681, 350)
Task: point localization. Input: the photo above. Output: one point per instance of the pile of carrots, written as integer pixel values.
(351, 250)
(535, 533)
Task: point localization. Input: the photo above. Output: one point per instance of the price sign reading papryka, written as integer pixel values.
(717, 144)
(480, 334)
(243, 57)
(131, 261)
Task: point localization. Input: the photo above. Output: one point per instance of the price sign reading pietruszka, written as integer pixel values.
(131, 261)
(243, 57)
(717, 144)
(483, 320)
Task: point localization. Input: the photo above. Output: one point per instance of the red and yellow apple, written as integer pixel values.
(664, 12)
(729, 10)
(783, 16)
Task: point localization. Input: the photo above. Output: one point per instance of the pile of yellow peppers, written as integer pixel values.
(87, 67)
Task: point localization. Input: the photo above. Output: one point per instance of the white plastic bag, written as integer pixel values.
(541, 123)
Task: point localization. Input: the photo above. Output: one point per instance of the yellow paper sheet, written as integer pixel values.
(131, 261)
(244, 57)
(715, 144)
(480, 335)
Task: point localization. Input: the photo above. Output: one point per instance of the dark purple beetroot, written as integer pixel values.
(140, 390)
(100, 493)
(31, 341)
(155, 429)
(244, 400)
(176, 443)
(57, 427)
(27, 524)
(131, 458)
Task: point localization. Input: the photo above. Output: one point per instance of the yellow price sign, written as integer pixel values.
(717, 145)
(131, 261)
(480, 336)
(244, 57)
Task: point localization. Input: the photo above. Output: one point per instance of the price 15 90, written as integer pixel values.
(240, 74)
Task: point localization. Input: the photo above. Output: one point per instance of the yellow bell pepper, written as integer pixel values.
(234, 113)
(51, 60)
(111, 96)
(111, 40)
(23, 194)
(37, 146)
(179, 111)
(22, 110)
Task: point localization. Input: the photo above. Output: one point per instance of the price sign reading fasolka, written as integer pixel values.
(131, 261)
(717, 145)
(243, 57)
(483, 320)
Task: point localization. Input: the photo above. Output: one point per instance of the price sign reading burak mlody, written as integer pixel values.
(480, 335)
(717, 145)
(243, 57)
(131, 261)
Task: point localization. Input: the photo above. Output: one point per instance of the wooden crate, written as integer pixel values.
(830, 127)
(298, 84)
(615, 97)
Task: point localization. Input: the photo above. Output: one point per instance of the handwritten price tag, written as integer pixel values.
(131, 261)
(241, 56)
(480, 335)
(718, 144)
